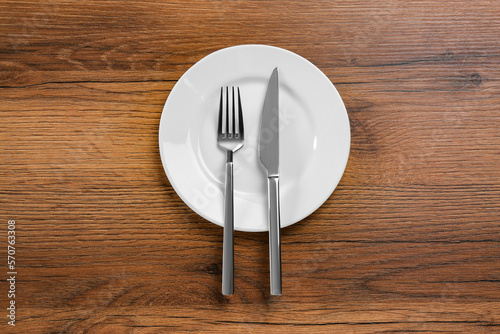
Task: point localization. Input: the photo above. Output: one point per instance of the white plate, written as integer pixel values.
(314, 136)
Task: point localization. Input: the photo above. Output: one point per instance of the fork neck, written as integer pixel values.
(229, 156)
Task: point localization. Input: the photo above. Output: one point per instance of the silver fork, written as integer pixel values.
(230, 137)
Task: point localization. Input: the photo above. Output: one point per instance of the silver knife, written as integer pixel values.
(269, 157)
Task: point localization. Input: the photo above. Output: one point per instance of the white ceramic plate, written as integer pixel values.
(314, 136)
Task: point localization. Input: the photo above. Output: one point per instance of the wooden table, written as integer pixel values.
(408, 242)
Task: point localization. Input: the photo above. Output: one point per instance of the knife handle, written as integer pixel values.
(274, 234)
(228, 242)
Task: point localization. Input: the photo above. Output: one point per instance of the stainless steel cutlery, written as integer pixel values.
(269, 157)
(230, 138)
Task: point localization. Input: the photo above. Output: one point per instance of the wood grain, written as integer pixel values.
(409, 241)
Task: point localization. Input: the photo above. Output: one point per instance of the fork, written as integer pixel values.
(230, 137)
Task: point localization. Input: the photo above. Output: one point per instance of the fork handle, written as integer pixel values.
(274, 234)
(228, 242)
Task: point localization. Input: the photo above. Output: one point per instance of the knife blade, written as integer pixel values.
(269, 157)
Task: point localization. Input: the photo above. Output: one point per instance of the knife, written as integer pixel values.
(269, 157)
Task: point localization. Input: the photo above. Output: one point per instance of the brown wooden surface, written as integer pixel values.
(409, 242)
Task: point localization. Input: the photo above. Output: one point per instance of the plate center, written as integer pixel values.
(297, 139)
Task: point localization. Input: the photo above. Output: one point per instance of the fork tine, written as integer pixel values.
(227, 112)
(241, 128)
(234, 112)
(219, 127)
